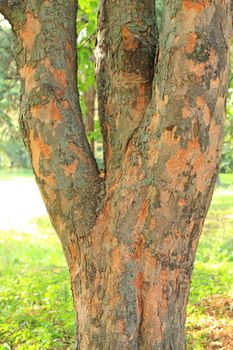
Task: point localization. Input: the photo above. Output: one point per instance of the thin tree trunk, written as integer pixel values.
(130, 239)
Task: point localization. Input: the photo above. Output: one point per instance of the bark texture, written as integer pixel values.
(129, 239)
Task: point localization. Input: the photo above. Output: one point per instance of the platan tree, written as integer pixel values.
(129, 233)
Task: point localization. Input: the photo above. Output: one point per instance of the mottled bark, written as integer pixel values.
(50, 118)
(90, 114)
(125, 55)
(130, 249)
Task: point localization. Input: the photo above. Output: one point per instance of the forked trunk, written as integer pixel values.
(129, 235)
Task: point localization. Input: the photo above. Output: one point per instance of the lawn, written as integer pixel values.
(36, 306)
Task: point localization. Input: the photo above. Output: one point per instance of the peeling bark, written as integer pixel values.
(130, 248)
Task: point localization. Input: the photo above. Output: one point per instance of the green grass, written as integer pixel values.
(212, 277)
(226, 179)
(36, 311)
(36, 305)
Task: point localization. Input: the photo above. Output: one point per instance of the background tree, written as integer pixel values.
(227, 155)
(130, 237)
(87, 28)
(12, 150)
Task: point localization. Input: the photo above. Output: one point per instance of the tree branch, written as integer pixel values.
(125, 66)
(12, 10)
(51, 121)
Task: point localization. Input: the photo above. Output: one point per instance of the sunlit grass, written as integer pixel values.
(210, 310)
(36, 305)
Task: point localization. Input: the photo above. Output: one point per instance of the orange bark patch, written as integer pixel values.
(73, 251)
(31, 28)
(191, 42)
(153, 153)
(46, 62)
(129, 40)
(221, 102)
(200, 101)
(214, 84)
(168, 137)
(196, 68)
(200, 171)
(27, 73)
(109, 148)
(116, 259)
(53, 112)
(197, 6)
(154, 122)
(69, 57)
(44, 148)
(65, 104)
(109, 106)
(138, 244)
(181, 202)
(50, 180)
(186, 111)
(212, 57)
(60, 77)
(205, 109)
(164, 197)
(47, 113)
(68, 46)
(38, 148)
(178, 162)
(151, 315)
(141, 216)
(138, 283)
(140, 99)
(73, 148)
(149, 267)
(152, 224)
(70, 169)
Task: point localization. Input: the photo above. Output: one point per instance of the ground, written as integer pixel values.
(36, 305)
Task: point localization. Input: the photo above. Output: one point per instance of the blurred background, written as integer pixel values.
(36, 310)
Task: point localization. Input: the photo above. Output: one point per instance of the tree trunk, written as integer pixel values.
(90, 114)
(129, 238)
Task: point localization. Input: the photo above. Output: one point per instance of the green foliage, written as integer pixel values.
(86, 27)
(9, 85)
(12, 150)
(227, 155)
(159, 12)
(13, 154)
